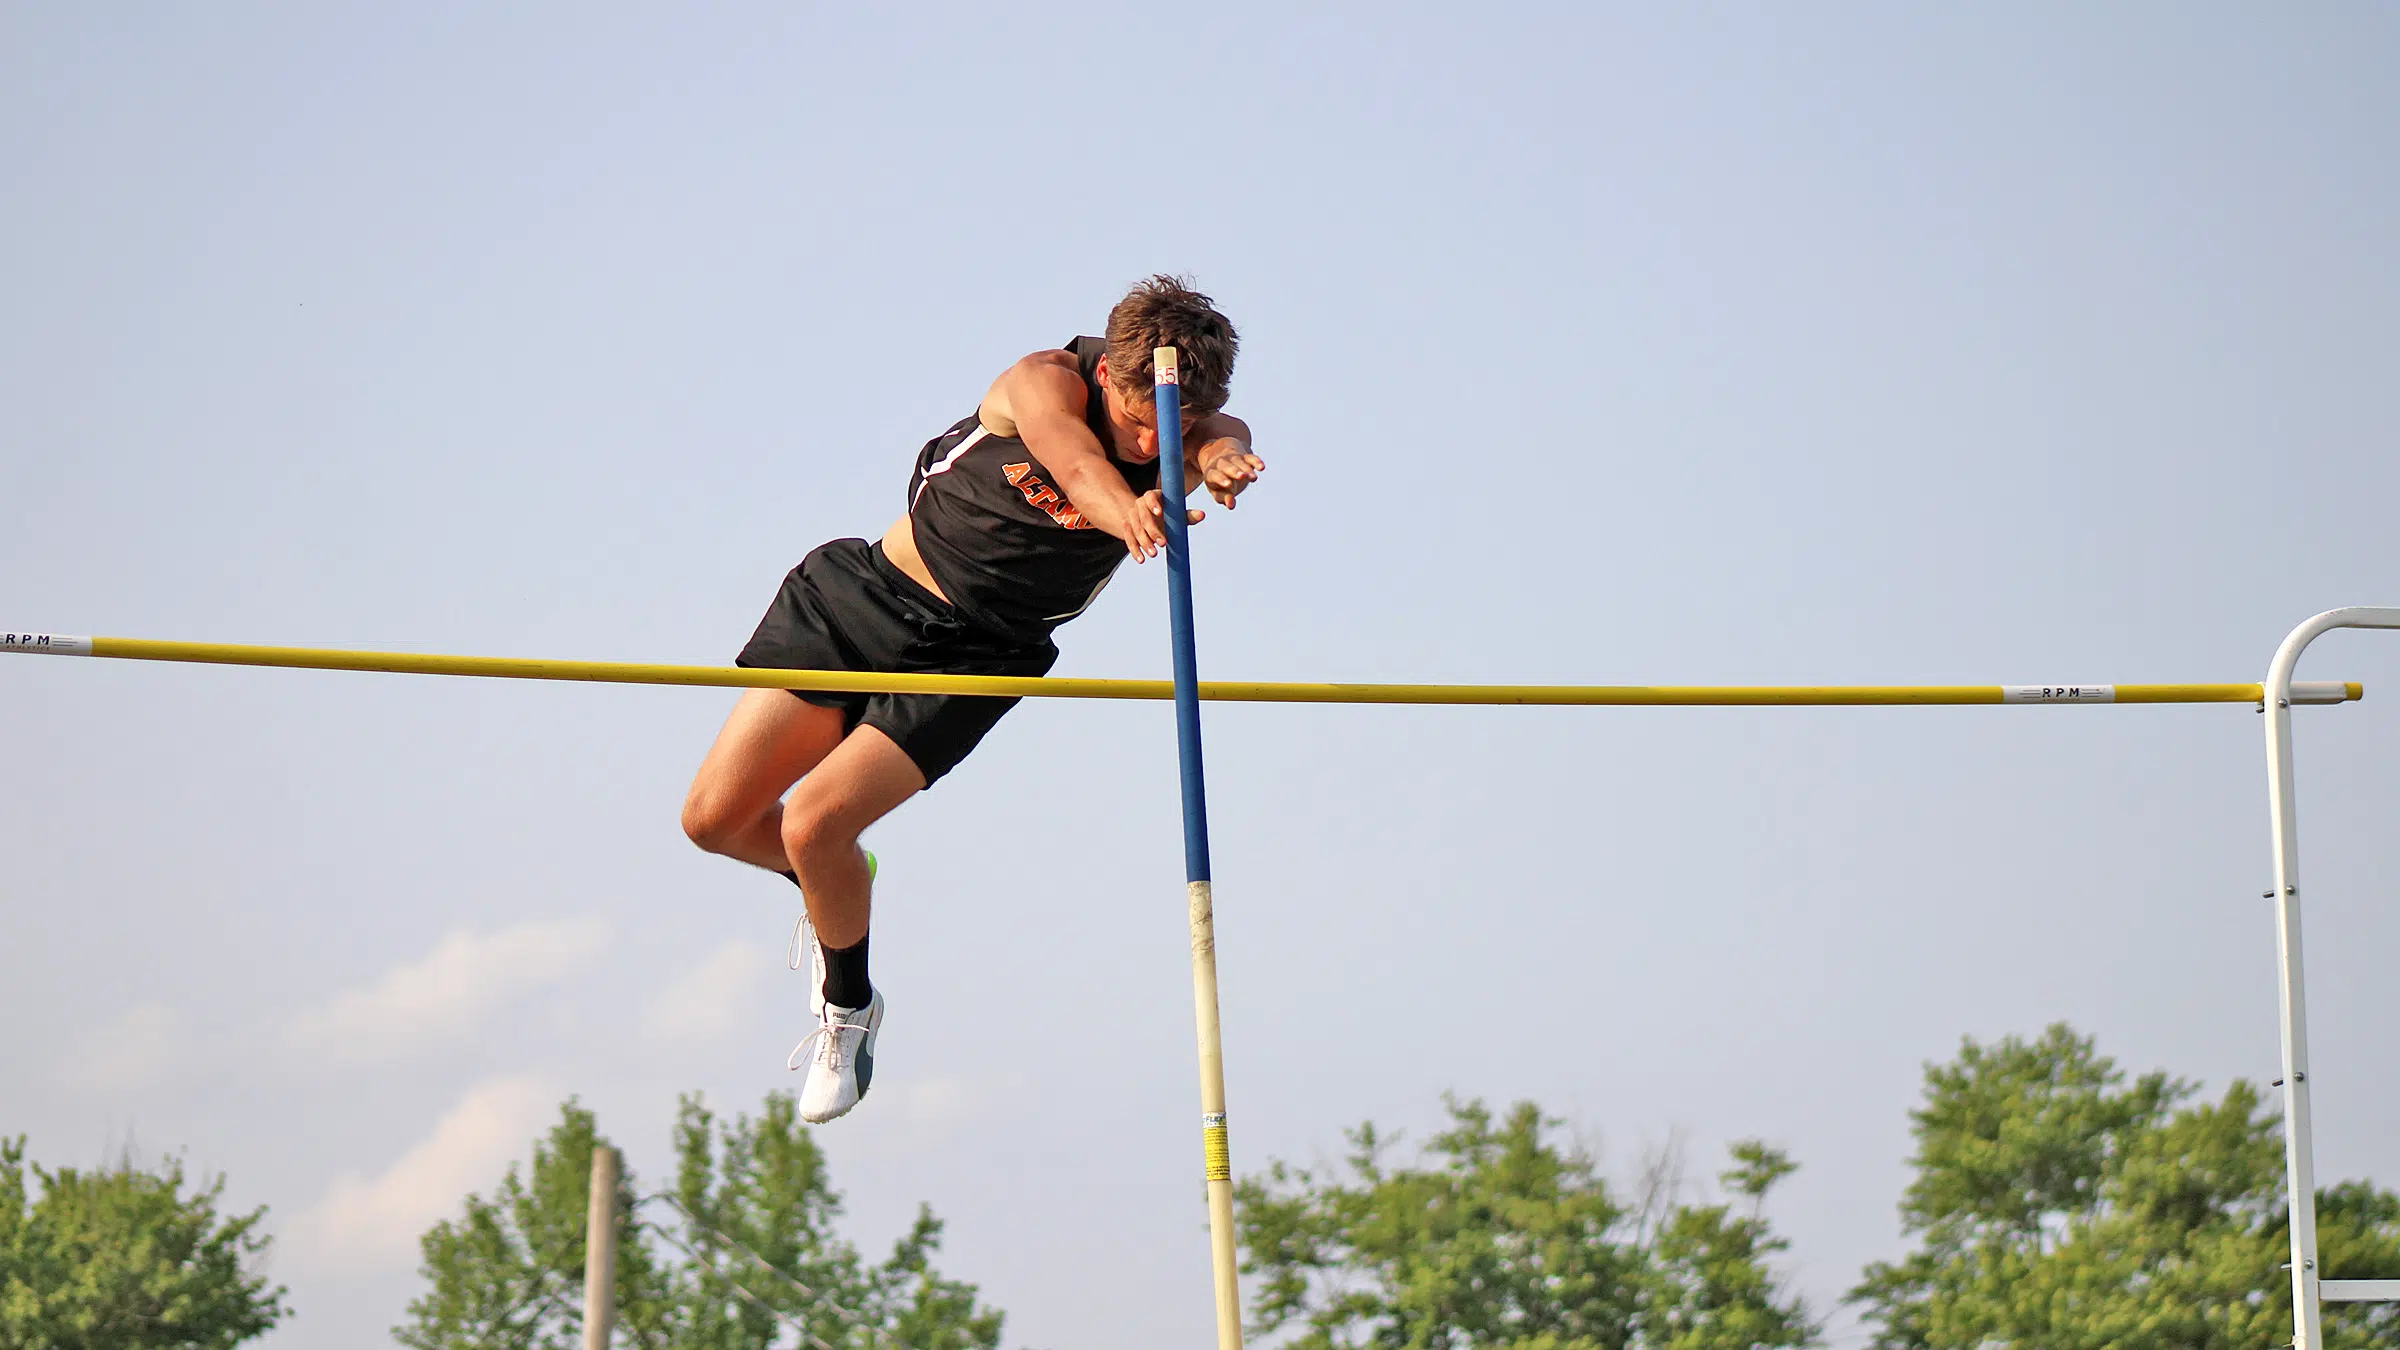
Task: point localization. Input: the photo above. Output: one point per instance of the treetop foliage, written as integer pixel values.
(2058, 1204)
(1501, 1237)
(125, 1259)
(749, 1253)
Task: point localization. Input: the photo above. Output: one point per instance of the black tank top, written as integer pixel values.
(1008, 548)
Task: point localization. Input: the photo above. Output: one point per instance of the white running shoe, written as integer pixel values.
(839, 1057)
(809, 954)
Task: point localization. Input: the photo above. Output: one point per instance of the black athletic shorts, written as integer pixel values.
(846, 607)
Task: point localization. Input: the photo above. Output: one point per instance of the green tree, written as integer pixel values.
(123, 1259)
(508, 1273)
(740, 1249)
(1506, 1239)
(2058, 1204)
(753, 1194)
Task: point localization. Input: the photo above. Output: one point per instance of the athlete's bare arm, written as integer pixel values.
(1217, 452)
(998, 411)
(1040, 400)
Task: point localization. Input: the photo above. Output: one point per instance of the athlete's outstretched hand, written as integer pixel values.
(1146, 525)
(1230, 470)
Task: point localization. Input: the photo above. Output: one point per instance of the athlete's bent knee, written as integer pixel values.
(808, 833)
(708, 824)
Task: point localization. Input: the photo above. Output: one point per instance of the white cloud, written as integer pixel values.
(708, 1001)
(146, 1041)
(448, 994)
(366, 1223)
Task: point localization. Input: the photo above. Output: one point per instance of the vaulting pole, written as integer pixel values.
(1216, 1159)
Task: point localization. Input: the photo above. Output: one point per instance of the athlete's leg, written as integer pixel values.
(735, 806)
(849, 789)
(859, 783)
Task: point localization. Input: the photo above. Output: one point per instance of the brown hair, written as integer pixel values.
(1163, 311)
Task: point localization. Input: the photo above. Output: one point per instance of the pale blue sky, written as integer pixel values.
(1732, 344)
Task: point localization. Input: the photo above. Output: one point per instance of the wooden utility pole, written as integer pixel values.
(600, 1252)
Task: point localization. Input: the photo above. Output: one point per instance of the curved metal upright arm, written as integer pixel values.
(2283, 827)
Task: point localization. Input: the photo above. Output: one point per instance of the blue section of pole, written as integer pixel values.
(1179, 614)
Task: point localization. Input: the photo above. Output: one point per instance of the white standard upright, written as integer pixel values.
(2299, 1166)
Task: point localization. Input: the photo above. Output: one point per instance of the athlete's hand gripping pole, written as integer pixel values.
(1216, 1159)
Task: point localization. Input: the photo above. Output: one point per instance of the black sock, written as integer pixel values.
(846, 975)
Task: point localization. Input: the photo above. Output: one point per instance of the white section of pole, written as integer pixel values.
(2299, 1162)
(600, 1252)
(2058, 693)
(1216, 1156)
(46, 644)
(2319, 691)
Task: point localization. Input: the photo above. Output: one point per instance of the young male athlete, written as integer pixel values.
(1017, 516)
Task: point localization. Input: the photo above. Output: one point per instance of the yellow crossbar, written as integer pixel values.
(1223, 691)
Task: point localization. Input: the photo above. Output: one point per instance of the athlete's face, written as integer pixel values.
(1134, 419)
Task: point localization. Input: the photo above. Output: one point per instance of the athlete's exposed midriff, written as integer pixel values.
(900, 545)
